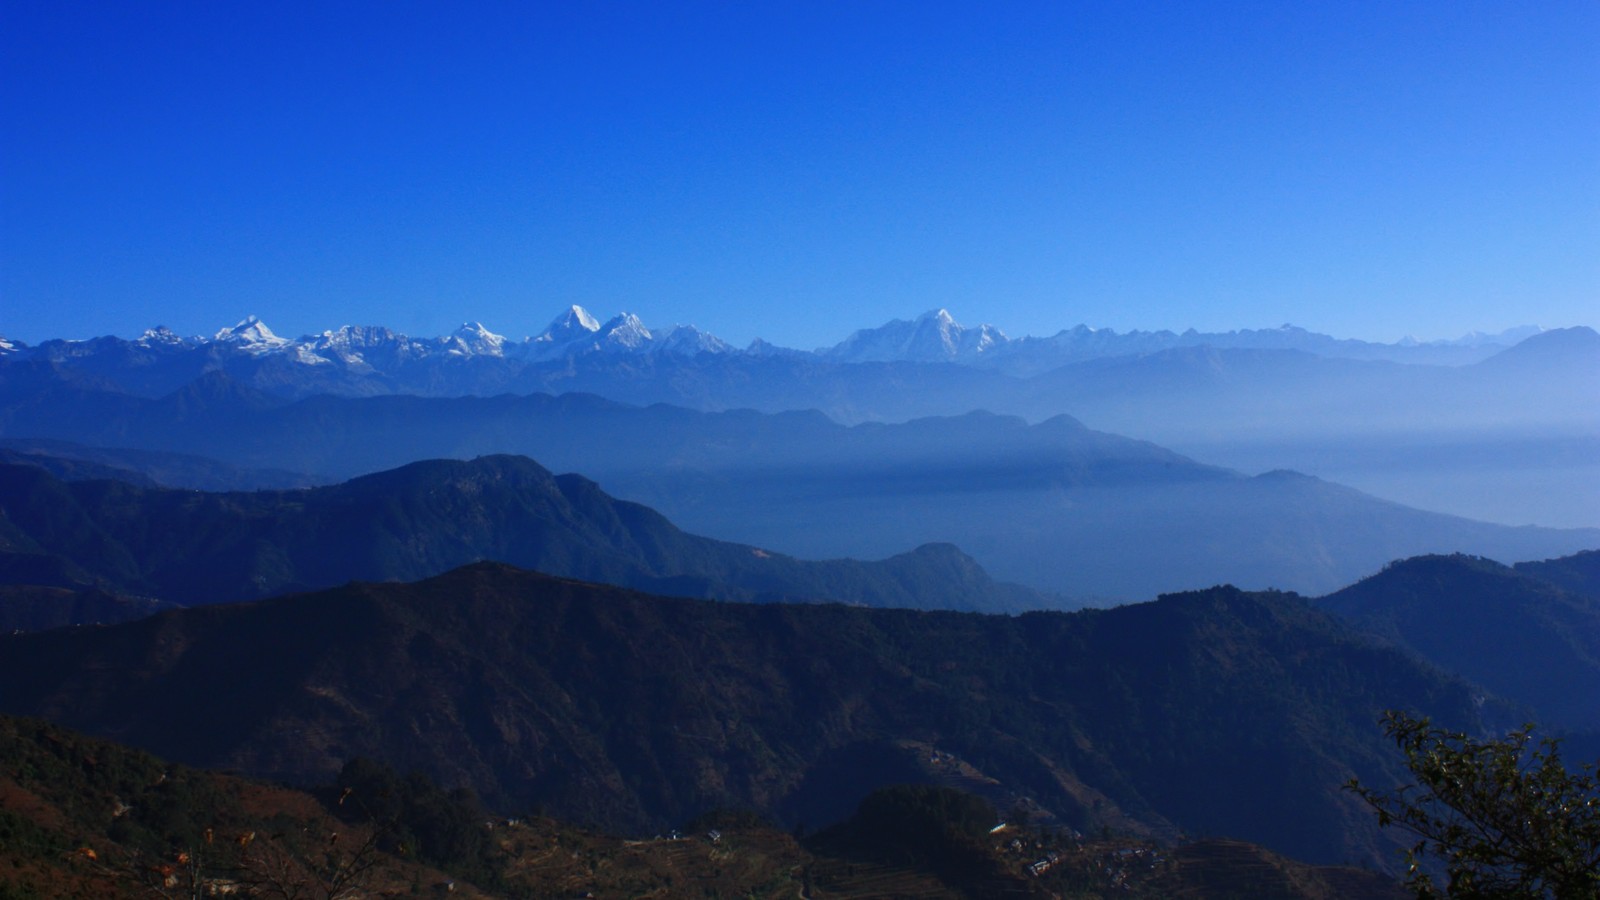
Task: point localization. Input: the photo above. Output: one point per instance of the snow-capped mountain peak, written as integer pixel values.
(160, 334)
(575, 324)
(687, 340)
(626, 330)
(252, 335)
(472, 339)
(576, 317)
(934, 336)
(355, 337)
(366, 359)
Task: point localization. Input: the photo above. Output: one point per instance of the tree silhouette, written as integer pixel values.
(1503, 818)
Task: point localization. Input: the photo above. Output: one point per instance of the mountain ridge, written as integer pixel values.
(1481, 435)
(362, 359)
(424, 518)
(1062, 507)
(1215, 712)
(1519, 632)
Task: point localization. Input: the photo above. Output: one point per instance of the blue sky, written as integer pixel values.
(797, 170)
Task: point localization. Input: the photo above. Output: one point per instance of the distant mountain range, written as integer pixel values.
(362, 360)
(194, 548)
(1498, 427)
(936, 337)
(1055, 505)
(1216, 712)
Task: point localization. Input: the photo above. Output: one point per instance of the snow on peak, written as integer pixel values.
(160, 334)
(472, 339)
(248, 328)
(687, 340)
(576, 317)
(305, 354)
(626, 331)
(934, 336)
(350, 345)
(572, 325)
(7, 345)
(353, 337)
(252, 335)
(476, 331)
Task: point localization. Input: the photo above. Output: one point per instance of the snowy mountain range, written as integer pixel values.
(934, 337)
(573, 332)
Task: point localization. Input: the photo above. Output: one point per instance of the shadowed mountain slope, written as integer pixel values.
(191, 547)
(1215, 712)
(1518, 635)
(1578, 573)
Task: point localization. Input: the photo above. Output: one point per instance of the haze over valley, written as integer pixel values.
(889, 439)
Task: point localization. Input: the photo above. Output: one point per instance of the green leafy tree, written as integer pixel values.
(1502, 818)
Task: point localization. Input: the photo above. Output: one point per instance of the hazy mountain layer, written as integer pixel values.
(78, 462)
(1054, 505)
(1514, 438)
(1505, 433)
(876, 374)
(190, 547)
(1216, 712)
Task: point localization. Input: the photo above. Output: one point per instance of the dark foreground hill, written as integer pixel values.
(88, 818)
(1218, 713)
(1518, 632)
(191, 547)
(84, 818)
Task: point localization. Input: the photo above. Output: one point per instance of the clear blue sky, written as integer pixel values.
(797, 170)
